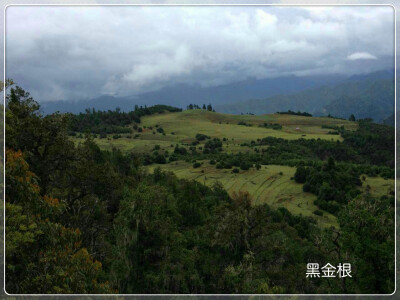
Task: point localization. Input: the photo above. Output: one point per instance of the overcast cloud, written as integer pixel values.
(82, 52)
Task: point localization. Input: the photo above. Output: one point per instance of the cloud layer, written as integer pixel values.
(361, 55)
(83, 52)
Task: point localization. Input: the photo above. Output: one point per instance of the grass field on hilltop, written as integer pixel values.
(187, 124)
(182, 127)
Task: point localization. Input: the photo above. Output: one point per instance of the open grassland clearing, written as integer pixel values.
(378, 186)
(271, 184)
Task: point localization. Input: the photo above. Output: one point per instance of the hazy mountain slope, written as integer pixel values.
(389, 120)
(368, 97)
(311, 101)
(376, 101)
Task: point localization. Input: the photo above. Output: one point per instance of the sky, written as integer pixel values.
(72, 53)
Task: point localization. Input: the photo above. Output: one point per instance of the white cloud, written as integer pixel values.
(360, 55)
(79, 52)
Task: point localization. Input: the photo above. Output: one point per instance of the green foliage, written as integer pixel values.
(114, 121)
(318, 212)
(244, 123)
(159, 159)
(201, 137)
(368, 240)
(289, 112)
(245, 165)
(212, 146)
(301, 174)
(373, 142)
(334, 185)
(272, 126)
(180, 150)
(43, 256)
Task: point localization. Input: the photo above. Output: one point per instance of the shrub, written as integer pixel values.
(306, 187)
(160, 159)
(301, 174)
(212, 146)
(172, 158)
(245, 165)
(196, 165)
(201, 137)
(318, 212)
(180, 150)
(227, 165)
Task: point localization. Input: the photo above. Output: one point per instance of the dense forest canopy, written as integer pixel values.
(84, 220)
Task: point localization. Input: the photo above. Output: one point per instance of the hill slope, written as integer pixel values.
(373, 98)
(182, 127)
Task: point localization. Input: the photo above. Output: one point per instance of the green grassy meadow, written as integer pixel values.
(271, 184)
(182, 127)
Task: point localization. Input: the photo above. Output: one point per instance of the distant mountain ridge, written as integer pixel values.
(183, 94)
(365, 96)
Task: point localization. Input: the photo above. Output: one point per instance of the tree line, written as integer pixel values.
(204, 107)
(106, 122)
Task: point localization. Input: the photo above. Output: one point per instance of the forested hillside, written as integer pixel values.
(85, 219)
